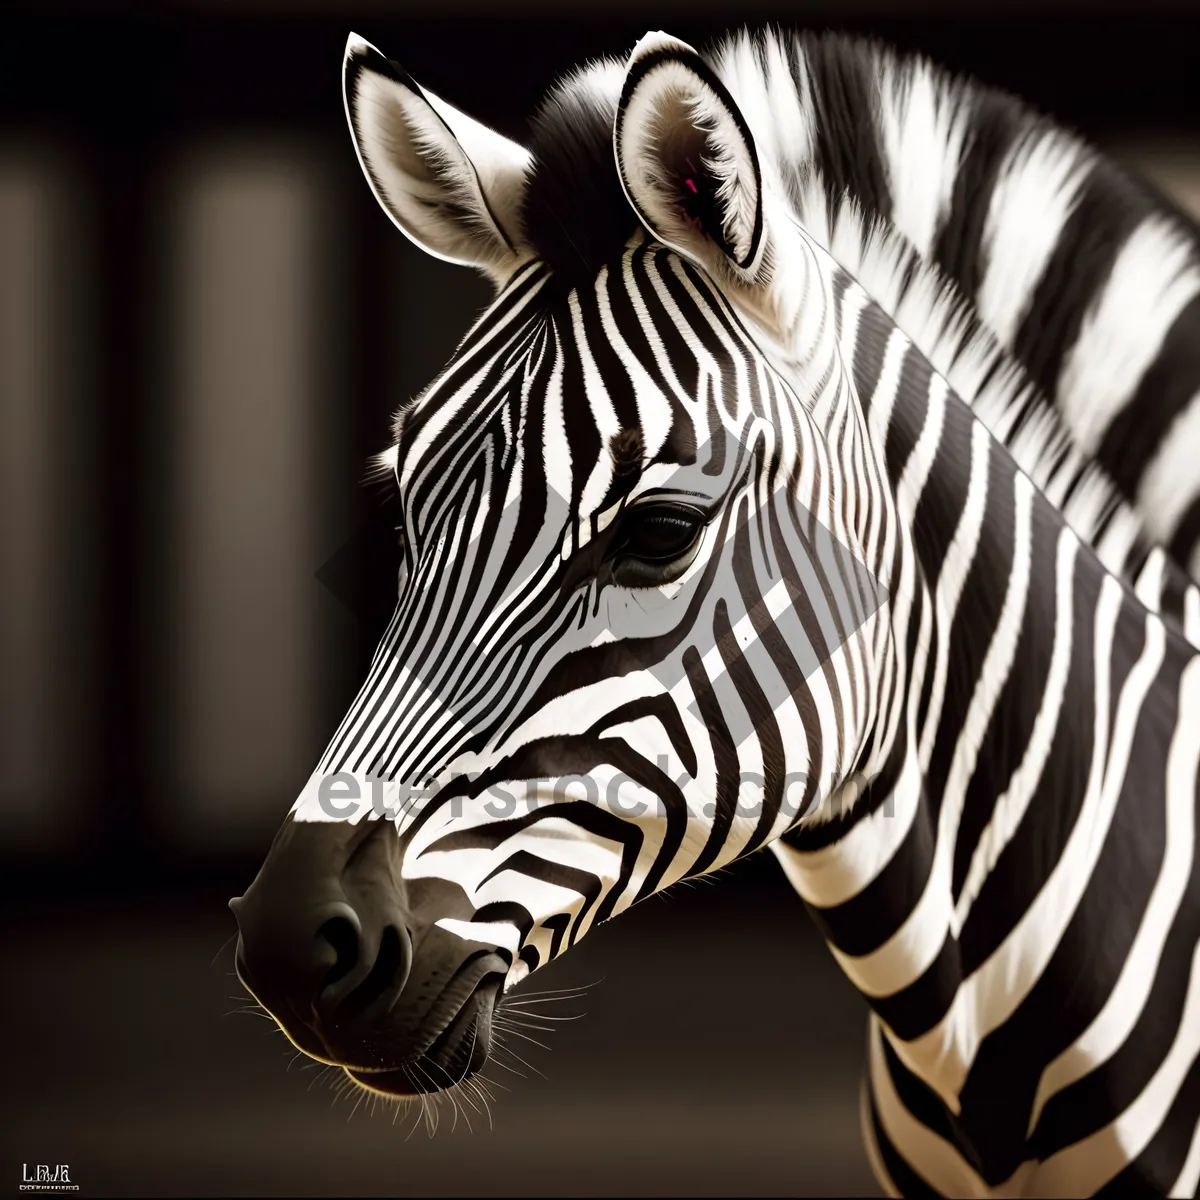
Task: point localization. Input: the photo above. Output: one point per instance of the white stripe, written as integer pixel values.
(930, 1156)
(923, 138)
(960, 555)
(1114, 1023)
(887, 388)
(1155, 275)
(952, 1043)
(871, 1143)
(791, 106)
(902, 959)
(838, 872)
(1085, 1166)
(1189, 1175)
(1011, 806)
(1148, 587)
(1171, 480)
(492, 933)
(1035, 194)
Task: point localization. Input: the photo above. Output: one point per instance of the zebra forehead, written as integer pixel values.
(556, 358)
(574, 213)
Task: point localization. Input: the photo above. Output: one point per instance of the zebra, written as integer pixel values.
(689, 518)
(1086, 277)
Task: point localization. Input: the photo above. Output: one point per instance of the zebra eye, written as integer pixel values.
(656, 544)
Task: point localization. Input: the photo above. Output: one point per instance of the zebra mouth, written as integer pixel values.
(457, 1053)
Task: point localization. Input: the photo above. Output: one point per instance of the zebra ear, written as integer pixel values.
(449, 183)
(686, 156)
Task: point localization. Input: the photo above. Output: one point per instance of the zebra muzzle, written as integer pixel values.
(351, 962)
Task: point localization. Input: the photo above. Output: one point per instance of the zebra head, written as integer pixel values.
(633, 620)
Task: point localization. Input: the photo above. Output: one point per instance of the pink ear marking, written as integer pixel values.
(692, 186)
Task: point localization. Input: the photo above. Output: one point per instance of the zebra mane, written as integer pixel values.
(577, 219)
(943, 325)
(574, 213)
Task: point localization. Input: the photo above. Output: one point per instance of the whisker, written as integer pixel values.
(557, 993)
(540, 1015)
(514, 1070)
(250, 1011)
(224, 947)
(477, 1087)
(491, 1083)
(421, 1113)
(523, 1061)
(533, 1020)
(433, 1106)
(517, 1033)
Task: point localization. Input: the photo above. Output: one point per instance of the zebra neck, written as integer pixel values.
(882, 211)
(1014, 654)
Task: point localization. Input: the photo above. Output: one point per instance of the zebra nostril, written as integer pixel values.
(387, 976)
(341, 934)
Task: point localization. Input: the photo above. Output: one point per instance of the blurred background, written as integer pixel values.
(205, 322)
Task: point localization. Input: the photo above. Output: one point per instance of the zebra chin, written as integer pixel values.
(458, 1052)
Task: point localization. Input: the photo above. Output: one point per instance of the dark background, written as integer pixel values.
(205, 321)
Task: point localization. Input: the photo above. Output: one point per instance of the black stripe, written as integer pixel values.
(611, 366)
(669, 327)
(725, 799)
(924, 1104)
(907, 1181)
(807, 838)
(1165, 390)
(1186, 537)
(940, 508)
(1132, 853)
(1017, 877)
(1075, 273)
(586, 884)
(557, 925)
(910, 412)
(959, 247)
(509, 912)
(766, 728)
(1155, 1170)
(916, 1009)
(583, 438)
(848, 147)
(1075, 984)
(1021, 695)
(977, 616)
(871, 916)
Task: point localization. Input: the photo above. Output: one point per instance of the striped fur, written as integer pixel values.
(907, 176)
(888, 653)
(1082, 273)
